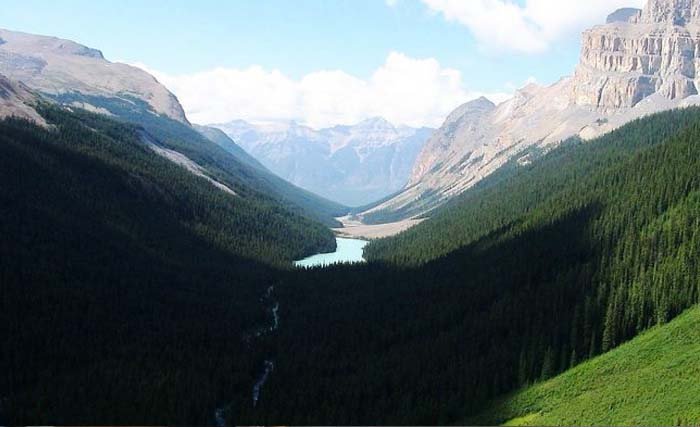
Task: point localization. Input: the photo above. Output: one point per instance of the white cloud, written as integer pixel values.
(404, 90)
(504, 25)
(391, 3)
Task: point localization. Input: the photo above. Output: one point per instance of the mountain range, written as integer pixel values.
(75, 76)
(147, 274)
(353, 165)
(638, 63)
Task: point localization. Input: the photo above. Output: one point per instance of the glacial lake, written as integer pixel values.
(348, 251)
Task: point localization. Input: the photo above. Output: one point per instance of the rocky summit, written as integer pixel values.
(656, 50)
(80, 75)
(638, 63)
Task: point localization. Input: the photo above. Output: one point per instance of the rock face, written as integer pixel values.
(654, 51)
(353, 165)
(18, 101)
(639, 63)
(673, 12)
(627, 14)
(57, 67)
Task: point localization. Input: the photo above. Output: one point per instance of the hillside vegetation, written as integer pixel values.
(144, 281)
(555, 264)
(651, 380)
(128, 283)
(219, 155)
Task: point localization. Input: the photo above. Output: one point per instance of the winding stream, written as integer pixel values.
(269, 367)
(219, 413)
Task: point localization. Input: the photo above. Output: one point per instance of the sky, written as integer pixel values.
(326, 62)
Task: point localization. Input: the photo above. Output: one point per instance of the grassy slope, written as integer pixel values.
(651, 380)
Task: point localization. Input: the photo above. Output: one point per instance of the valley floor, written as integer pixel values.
(355, 229)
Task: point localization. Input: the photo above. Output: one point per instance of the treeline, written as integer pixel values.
(521, 280)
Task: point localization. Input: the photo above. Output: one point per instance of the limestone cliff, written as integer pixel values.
(639, 63)
(654, 51)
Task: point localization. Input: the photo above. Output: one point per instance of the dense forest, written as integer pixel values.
(125, 278)
(131, 289)
(214, 151)
(523, 279)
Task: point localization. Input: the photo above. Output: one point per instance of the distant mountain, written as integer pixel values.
(76, 76)
(353, 165)
(638, 63)
(220, 138)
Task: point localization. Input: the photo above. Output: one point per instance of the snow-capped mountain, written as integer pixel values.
(354, 165)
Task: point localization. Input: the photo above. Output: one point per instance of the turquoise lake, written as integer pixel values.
(348, 251)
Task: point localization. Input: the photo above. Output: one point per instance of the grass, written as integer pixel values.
(651, 380)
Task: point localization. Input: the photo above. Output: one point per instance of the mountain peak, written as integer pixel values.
(376, 122)
(53, 66)
(482, 100)
(626, 14)
(475, 107)
(621, 65)
(676, 12)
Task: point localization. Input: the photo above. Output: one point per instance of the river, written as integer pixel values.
(348, 251)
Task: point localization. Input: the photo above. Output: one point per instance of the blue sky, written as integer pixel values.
(495, 45)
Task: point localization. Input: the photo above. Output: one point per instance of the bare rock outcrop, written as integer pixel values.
(55, 66)
(639, 63)
(18, 101)
(674, 12)
(654, 51)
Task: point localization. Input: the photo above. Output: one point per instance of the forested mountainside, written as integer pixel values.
(143, 277)
(220, 138)
(611, 252)
(127, 280)
(651, 380)
(501, 201)
(224, 163)
(77, 76)
(638, 63)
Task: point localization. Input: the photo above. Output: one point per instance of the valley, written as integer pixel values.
(354, 228)
(534, 261)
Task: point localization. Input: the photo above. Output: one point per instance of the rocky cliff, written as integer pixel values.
(656, 50)
(640, 62)
(18, 101)
(57, 67)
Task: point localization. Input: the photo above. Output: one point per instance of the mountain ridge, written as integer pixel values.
(78, 77)
(57, 66)
(639, 63)
(17, 100)
(352, 164)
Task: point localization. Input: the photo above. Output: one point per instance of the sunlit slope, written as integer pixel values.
(651, 380)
